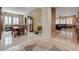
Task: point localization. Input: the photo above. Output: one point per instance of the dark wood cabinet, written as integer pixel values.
(1, 23)
(77, 26)
(77, 33)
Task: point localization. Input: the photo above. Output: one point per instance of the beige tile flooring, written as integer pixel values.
(62, 40)
(66, 37)
(67, 34)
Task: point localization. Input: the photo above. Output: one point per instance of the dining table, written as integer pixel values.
(18, 30)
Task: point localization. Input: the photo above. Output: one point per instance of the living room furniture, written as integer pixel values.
(18, 30)
(60, 26)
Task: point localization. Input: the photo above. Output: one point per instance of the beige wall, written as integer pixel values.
(53, 20)
(21, 20)
(37, 18)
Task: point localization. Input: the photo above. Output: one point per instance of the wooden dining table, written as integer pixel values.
(18, 30)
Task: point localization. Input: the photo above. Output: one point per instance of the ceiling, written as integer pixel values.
(66, 11)
(60, 11)
(18, 10)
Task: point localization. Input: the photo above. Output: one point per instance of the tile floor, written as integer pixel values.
(62, 40)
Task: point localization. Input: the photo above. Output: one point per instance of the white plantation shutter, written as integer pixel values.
(11, 20)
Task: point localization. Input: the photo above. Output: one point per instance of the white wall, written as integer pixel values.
(46, 22)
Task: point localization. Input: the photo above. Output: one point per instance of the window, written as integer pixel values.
(57, 21)
(15, 20)
(64, 21)
(69, 21)
(8, 20)
(11, 20)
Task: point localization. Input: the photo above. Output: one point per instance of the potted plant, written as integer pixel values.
(39, 29)
(36, 32)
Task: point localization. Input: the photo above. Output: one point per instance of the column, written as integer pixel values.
(46, 22)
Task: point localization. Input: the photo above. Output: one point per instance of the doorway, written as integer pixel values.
(29, 24)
